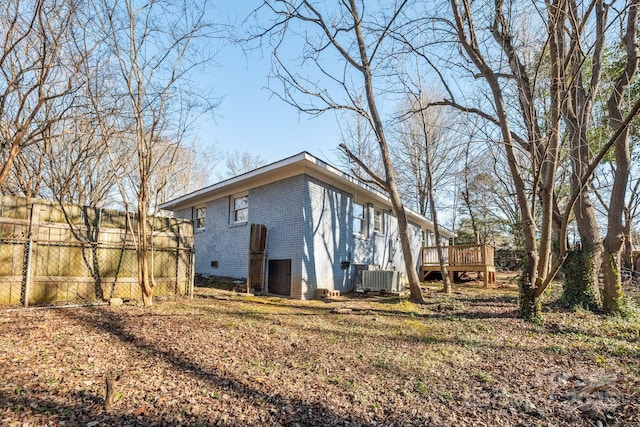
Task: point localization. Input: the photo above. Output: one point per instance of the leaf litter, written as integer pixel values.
(229, 359)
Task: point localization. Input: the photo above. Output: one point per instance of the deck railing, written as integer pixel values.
(459, 255)
(430, 255)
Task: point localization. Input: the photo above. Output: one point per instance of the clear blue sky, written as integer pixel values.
(250, 118)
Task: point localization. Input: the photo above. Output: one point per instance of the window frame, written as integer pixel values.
(378, 221)
(200, 219)
(234, 211)
(361, 219)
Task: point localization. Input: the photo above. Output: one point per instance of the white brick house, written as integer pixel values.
(322, 226)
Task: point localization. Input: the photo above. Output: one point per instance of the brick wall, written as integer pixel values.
(220, 242)
(279, 206)
(309, 222)
(328, 236)
(276, 205)
(329, 239)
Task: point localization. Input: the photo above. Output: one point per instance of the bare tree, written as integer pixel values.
(70, 164)
(26, 178)
(155, 47)
(357, 135)
(413, 148)
(542, 147)
(582, 36)
(426, 155)
(37, 63)
(77, 168)
(188, 170)
(488, 198)
(476, 200)
(498, 45)
(341, 32)
(465, 194)
(241, 162)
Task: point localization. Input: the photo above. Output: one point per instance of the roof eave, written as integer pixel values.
(306, 162)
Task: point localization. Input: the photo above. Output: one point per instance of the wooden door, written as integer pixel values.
(257, 245)
(280, 276)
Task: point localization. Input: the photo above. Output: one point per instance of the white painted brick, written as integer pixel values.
(309, 222)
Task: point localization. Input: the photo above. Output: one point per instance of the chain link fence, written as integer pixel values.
(13, 270)
(52, 254)
(45, 273)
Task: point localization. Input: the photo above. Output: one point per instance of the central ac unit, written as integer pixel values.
(381, 281)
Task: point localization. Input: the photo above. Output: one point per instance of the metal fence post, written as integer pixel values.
(176, 290)
(28, 271)
(192, 272)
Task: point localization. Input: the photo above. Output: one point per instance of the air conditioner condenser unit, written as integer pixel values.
(381, 281)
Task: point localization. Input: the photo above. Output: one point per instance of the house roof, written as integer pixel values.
(301, 163)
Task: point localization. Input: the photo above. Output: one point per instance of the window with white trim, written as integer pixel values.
(201, 212)
(240, 208)
(378, 221)
(359, 219)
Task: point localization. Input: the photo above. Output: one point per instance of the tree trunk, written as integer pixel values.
(549, 160)
(391, 186)
(627, 259)
(613, 295)
(398, 208)
(110, 394)
(581, 284)
(97, 274)
(544, 158)
(405, 242)
(446, 284)
(11, 157)
(539, 242)
(143, 236)
(613, 241)
(582, 266)
(529, 305)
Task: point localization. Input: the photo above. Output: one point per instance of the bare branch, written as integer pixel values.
(375, 178)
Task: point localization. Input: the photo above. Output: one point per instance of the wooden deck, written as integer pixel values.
(460, 258)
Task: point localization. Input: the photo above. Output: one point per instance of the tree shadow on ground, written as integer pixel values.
(88, 411)
(104, 320)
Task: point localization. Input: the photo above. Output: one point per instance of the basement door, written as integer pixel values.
(280, 276)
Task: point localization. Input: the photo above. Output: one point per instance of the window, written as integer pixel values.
(359, 219)
(240, 208)
(428, 238)
(200, 216)
(378, 223)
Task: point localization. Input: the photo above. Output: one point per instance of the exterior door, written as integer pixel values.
(257, 245)
(280, 276)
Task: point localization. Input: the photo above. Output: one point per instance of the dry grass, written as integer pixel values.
(227, 359)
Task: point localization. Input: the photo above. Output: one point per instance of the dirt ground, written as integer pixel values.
(229, 359)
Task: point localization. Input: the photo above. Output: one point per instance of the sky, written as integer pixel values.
(250, 117)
